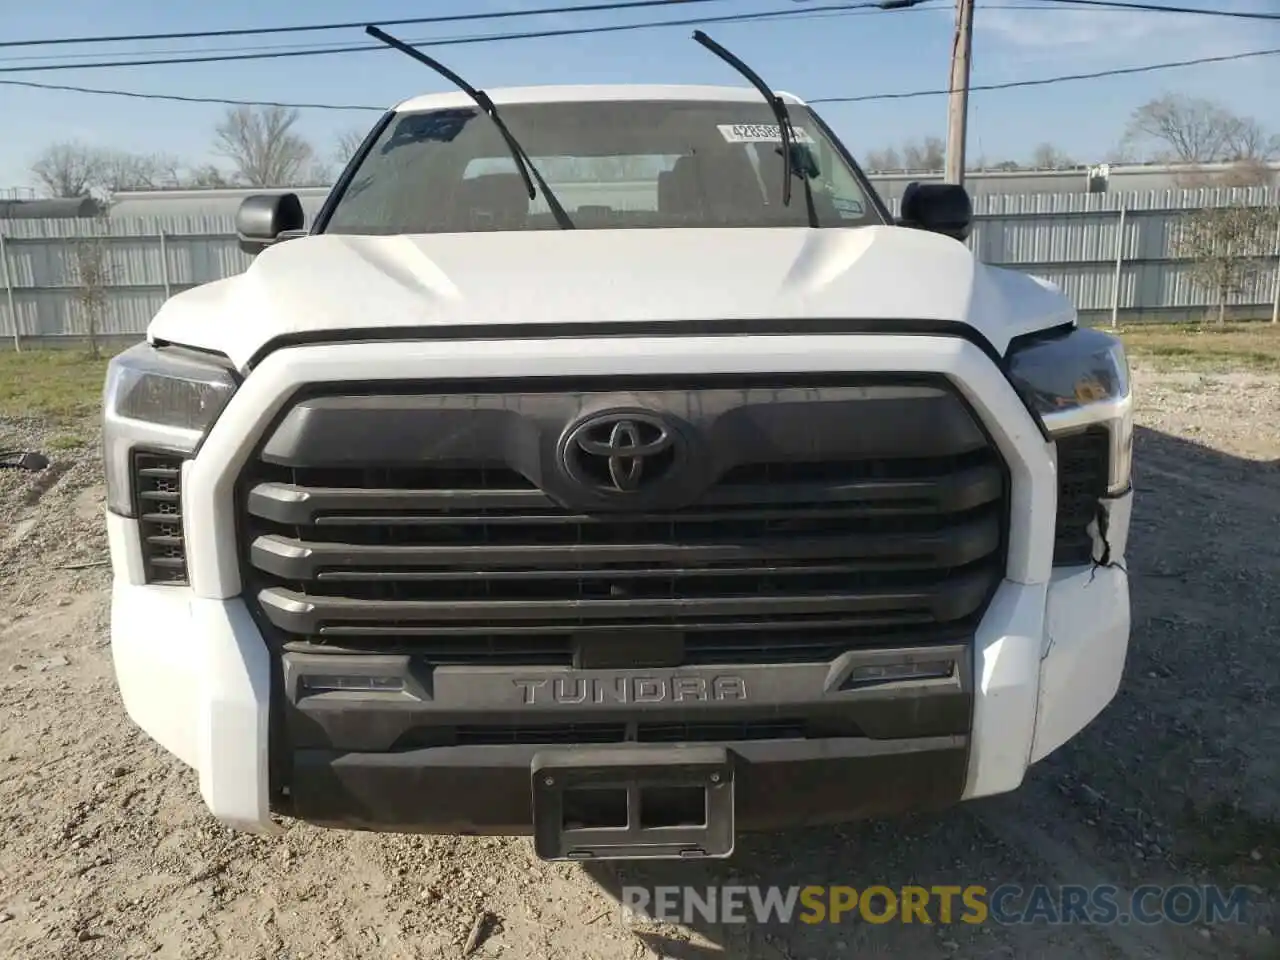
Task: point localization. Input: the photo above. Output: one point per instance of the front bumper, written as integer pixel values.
(195, 673)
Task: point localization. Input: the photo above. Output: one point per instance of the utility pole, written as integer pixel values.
(958, 107)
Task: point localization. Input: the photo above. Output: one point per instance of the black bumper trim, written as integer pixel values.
(486, 790)
(370, 704)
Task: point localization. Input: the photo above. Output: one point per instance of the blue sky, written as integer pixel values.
(821, 55)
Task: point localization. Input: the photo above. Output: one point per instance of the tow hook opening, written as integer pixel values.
(672, 807)
(590, 808)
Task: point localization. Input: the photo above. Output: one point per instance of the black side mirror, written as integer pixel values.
(265, 219)
(804, 162)
(939, 208)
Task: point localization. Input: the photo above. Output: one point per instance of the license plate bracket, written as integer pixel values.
(633, 803)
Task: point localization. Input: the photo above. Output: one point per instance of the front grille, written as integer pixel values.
(158, 488)
(583, 733)
(1083, 465)
(833, 517)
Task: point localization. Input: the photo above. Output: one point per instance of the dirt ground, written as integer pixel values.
(107, 851)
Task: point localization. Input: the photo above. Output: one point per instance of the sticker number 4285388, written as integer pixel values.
(758, 133)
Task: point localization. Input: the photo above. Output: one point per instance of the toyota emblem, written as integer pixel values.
(620, 452)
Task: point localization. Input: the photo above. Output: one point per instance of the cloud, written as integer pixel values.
(1055, 29)
(1099, 37)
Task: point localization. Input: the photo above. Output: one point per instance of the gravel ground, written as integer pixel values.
(108, 851)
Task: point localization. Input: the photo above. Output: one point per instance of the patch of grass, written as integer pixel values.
(66, 441)
(1243, 346)
(56, 384)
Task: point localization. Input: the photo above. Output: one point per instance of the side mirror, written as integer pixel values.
(265, 219)
(943, 208)
(804, 162)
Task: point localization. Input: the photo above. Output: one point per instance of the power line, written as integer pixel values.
(617, 5)
(1007, 85)
(178, 98)
(1065, 78)
(352, 25)
(790, 13)
(814, 13)
(1165, 8)
(505, 14)
(289, 51)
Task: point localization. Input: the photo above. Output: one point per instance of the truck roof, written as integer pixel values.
(594, 93)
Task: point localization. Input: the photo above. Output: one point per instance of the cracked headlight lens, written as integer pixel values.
(161, 400)
(1076, 381)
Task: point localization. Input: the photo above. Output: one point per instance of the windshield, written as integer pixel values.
(612, 165)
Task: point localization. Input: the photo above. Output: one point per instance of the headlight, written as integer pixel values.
(1076, 381)
(157, 400)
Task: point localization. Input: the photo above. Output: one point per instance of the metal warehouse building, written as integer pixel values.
(224, 202)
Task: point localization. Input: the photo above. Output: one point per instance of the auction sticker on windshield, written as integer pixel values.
(758, 133)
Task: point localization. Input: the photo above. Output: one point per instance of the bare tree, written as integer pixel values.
(1190, 130)
(1241, 173)
(925, 156)
(1122, 152)
(134, 171)
(68, 169)
(1248, 173)
(262, 145)
(1247, 140)
(318, 174)
(73, 169)
(928, 155)
(91, 272)
(883, 160)
(1046, 156)
(348, 142)
(208, 177)
(1227, 248)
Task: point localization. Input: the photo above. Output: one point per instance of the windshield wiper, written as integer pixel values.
(786, 131)
(523, 163)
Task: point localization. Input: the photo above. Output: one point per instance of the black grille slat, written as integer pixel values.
(688, 519)
(723, 644)
(295, 504)
(712, 730)
(587, 576)
(587, 733)
(848, 625)
(158, 491)
(309, 614)
(291, 503)
(475, 735)
(955, 547)
(825, 528)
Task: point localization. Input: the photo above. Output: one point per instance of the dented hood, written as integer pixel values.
(349, 285)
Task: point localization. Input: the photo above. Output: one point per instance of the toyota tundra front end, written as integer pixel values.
(647, 510)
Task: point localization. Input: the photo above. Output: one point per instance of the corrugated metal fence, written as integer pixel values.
(1111, 253)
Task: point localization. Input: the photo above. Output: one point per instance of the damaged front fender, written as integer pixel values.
(1087, 624)
(1109, 530)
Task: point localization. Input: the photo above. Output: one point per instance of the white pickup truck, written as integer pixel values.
(605, 464)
